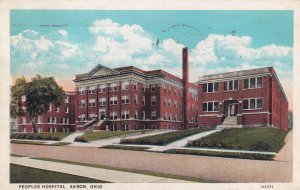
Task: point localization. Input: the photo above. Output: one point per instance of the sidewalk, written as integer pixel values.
(90, 172)
(286, 153)
(71, 138)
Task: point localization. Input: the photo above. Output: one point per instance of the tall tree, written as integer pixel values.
(16, 91)
(40, 92)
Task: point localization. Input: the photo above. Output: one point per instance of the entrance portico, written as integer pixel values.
(230, 108)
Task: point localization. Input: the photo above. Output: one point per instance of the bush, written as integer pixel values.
(79, 139)
(260, 146)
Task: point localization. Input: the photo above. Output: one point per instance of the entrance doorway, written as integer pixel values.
(230, 108)
(102, 114)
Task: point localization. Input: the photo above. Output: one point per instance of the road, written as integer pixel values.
(212, 168)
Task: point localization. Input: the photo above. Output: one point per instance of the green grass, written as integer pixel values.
(22, 174)
(253, 156)
(135, 148)
(17, 155)
(255, 139)
(92, 136)
(40, 136)
(163, 139)
(59, 144)
(27, 142)
(146, 172)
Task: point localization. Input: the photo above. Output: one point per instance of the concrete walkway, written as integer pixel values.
(71, 138)
(91, 172)
(286, 153)
(184, 141)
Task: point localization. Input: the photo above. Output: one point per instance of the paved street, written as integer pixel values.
(90, 172)
(213, 168)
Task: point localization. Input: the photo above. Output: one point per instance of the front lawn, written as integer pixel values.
(253, 156)
(27, 142)
(255, 139)
(165, 138)
(22, 174)
(92, 136)
(40, 136)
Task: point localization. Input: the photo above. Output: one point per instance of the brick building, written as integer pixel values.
(129, 98)
(244, 98)
(57, 119)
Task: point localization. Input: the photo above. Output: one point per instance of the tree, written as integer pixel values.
(40, 92)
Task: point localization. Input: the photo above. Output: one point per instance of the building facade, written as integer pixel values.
(57, 119)
(129, 98)
(253, 97)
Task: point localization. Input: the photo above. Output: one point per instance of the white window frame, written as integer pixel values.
(125, 99)
(255, 103)
(81, 103)
(66, 99)
(256, 83)
(125, 113)
(67, 111)
(102, 88)
(153, 100)
(213, 87)
(213, 103)
(92, 102)
(102, 101)
(113, 87)
(125, 85)
(81, 91)
(113, 100)
(233, 82)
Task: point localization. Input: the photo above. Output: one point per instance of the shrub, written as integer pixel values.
(260, 146)
(79, 139)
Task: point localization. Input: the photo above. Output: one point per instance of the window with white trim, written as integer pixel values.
(102, 88)
(50, 107)
(135, 86)
(135, 100)
(66, 99)
(165, 89)
(92, 102)
(125, 85)
(136, 114)
(23, 120)
(165, 116)
(113, 100)
(23, 98)
(153, 114)
(253, 83)
(66, 109)
(102, 101)
(252, 103)
(81, 118)
(170, 103)
(57, 109)
(144, 100)
(210, 106)
(210, 87)
(92, 89)
(231, 85)
(113, 86)
(125, 99)
(82, 103)
(175, 103)
(125, 114)
(153, 100)
(92, 116)
(113, 115)
(170, 116)
(39, 120)
(153, 87)
(81, 91)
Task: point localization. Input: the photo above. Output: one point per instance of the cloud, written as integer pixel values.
(63, 33)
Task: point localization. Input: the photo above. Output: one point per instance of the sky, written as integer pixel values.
(65, 43)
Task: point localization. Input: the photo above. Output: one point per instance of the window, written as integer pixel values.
(135, 100)
(125, 85)
(50, 107)
(165, 102)
(66, 99)
(113, 100)
(113, 115)
(92, 90)
(170, 103)
(143, 88)
(175, 117)
(210, 87)
(113, 86)
(125, 114)
(136, 114)
(153, 87)
(153, 100)
(253, 83)
(51, 119)
(143, 101)
(102, 101)
(153, 114)
(39, 120)
(165, 89)
(81, 91)
(134, 85)
(81, 117)
(67, 109)
(57, 109)
(175, 104)
(82, 103)
(169, 90)
(252, 103)
(92, 103)
(231, 85)
(92, 116)
(175, 92)
(165, 116)
(210, 106)
(125, 99)
(23, 98)
(23, 120)
(102, 88)
(170, 116)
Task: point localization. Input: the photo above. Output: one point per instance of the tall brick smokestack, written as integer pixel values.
(185, 84)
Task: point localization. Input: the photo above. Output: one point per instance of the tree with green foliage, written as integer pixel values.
(40, 92)
(290, 119)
